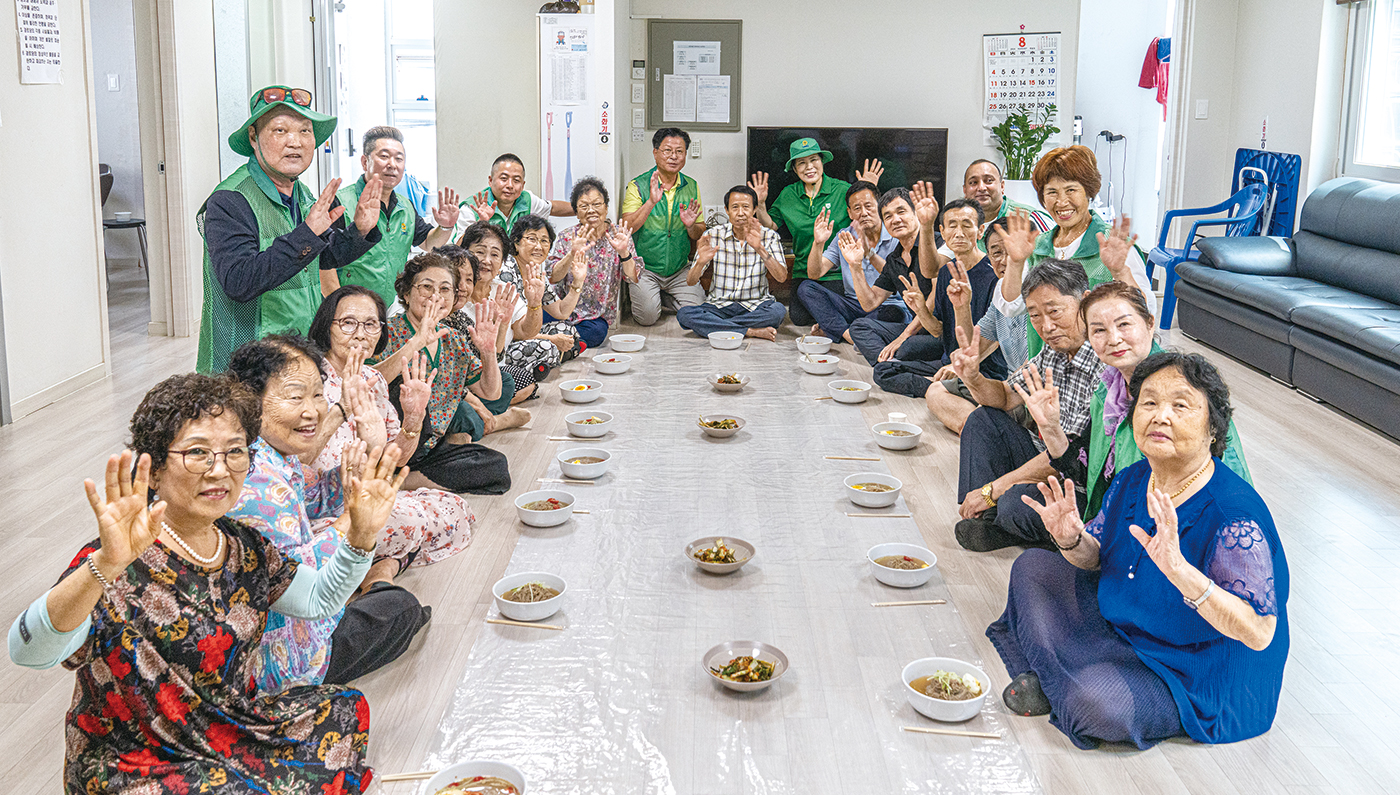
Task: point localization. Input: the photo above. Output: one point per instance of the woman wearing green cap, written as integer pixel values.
(263, 229)
(797, 207)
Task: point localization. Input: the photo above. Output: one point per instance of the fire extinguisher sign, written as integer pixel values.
(604, 128)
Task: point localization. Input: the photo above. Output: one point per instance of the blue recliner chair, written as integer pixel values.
(1243, 209)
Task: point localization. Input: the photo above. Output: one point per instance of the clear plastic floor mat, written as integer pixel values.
(618, 702)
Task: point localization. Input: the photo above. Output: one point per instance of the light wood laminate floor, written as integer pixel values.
(1333, 486)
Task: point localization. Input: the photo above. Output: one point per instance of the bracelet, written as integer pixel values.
(987, 496)
(1077, 539)
(624, 259)
(356, 551)
(533, 308)
(409, 434)
(1194, 604)
(100, 579)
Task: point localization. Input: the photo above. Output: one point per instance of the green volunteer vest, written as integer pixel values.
(225, 323)
(1087, 255)
(662, 241)
(381, 265)
(519, 210)
(1126, 451)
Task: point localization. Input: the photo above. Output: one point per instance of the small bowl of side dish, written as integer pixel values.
(626, 343)
(612, 363)
(463, 771)
(742, 551)
(897, 565)
(537, 610)
(584, 463)
(581, 390)
(725, 340)
(897, 435)
(717, 380)
(848, 391)
(873, 490)
(537, 508)
(722, 656)
(814, 344)
(824, 364)
(939, 708)
(707, 423)
(588, 424)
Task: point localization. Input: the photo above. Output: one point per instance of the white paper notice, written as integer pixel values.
(712, 99)
(679, 103)
(568, 73)
(696, 58)
(40, 56)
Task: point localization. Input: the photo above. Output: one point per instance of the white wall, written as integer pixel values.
(50, 261)
(118, 127)
(1108, 97)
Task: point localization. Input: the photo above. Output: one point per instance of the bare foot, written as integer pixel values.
(765, 333)
(563, 342)
(513, 417)
(455, 438)
(383, 571)
(846, 335)
(523, 395)
(816, 331)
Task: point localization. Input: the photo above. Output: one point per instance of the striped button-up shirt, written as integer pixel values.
(739, 274)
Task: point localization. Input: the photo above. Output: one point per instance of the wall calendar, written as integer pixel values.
(1021, 71)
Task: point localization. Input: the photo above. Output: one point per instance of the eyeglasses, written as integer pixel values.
(299, 96)
(349, 325)
(582, 206)
(539, 240)
(198, 460)
(428, 288)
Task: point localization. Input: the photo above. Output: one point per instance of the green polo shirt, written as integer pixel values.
(400, 229)
(794, 210)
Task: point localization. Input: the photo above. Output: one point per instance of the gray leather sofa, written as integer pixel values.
(1319, 311)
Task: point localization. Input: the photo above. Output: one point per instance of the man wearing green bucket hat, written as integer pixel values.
(266, 237)
(797, 207)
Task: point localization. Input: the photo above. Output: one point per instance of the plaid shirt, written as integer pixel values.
(739, 274)
(1076, 377)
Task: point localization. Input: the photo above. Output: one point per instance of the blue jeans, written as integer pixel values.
(871, 334)
(706, 319)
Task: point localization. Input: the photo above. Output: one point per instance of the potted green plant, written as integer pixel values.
(1019, 138)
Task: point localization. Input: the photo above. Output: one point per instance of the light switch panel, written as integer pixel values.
(1202, 108)
(639, 117)
(639, 93)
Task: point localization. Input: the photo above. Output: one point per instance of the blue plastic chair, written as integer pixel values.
(1244, 209)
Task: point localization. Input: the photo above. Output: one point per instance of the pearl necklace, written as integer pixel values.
(200, 559)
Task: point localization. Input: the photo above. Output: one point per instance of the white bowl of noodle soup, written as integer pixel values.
(873, 499)
(578, 424)
(937, 708)
(905, 437)
(477, 767)
(901, 578)
(545, 518)
(529, 611)
(626, 343)
(812, 344)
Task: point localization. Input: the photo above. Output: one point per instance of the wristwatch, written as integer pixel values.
(1195, 604)
(987, 496)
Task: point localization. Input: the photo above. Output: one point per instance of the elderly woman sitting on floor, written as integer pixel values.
(162, 616)
(1166, 615)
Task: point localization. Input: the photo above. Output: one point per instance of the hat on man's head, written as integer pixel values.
(804, 147)
(265, 101)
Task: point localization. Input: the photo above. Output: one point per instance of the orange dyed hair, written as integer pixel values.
(1070, 163)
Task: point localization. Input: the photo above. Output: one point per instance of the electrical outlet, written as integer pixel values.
(1202, 108)
(639, 93)
(639, 117)
(695, 149)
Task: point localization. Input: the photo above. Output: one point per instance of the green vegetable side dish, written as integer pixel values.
(745, 669)
(720, 425)
(719, 553)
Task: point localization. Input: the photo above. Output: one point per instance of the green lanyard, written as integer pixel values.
(432, 358)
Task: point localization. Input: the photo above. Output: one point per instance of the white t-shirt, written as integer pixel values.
(467, 217)
(1136, 264)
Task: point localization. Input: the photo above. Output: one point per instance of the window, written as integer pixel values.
(1373, 104)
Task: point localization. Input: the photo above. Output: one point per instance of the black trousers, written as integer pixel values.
(460, 468)
(993, 444)
(373, 632)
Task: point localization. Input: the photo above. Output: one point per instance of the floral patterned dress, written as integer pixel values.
(436, 523)
(457, 368)
(602, 284)
(295, 507)
(165, 700)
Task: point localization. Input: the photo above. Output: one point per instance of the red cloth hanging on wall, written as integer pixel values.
(1155, 72)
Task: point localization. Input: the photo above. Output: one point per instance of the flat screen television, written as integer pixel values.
(909, 155)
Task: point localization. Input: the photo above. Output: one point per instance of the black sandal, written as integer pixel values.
(1024, 696)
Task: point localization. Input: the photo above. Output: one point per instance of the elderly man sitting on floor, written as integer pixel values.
(743, 254)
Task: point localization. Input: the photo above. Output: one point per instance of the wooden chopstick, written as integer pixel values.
(874, 515)
(915, 602)
(565, 480)
(578, 439)
(577, 511)
(952, 732)
(510, 623)
(392, 777)
(828, 397)
(848, 457)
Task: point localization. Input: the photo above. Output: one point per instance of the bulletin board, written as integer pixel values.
(694, 74)
(1022, 70)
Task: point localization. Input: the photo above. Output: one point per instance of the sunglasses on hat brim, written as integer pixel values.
(298, 96)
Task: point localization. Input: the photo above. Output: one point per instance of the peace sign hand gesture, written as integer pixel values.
(959, 286)
(759, 183)
(447, 210)
(124, 522)
(964, 360)
(1060, 513)
(321, 215)
(925, 205)
(913, 296)
(1165, 546)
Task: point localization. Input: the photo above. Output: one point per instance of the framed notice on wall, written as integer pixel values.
(694, 73)
(1021, 71)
